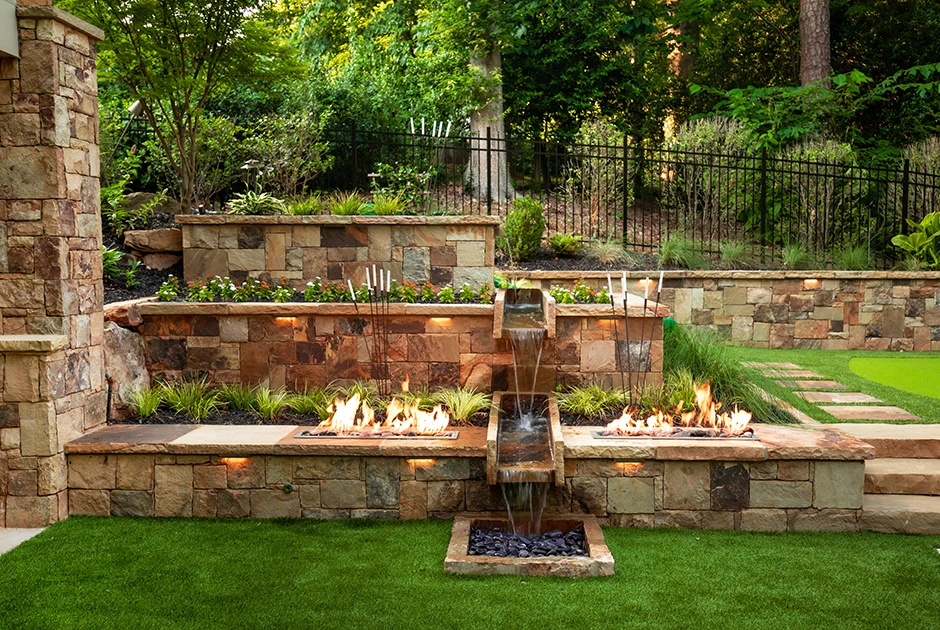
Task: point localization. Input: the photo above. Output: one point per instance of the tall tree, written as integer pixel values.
(173, 55)
(815, 66)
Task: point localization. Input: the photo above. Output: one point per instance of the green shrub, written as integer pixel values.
(385, 205)
(852, 258)
(253, 202)
(269, 403)
(420, 395)
(524, 227)
(591, 401)
(734, 255)
(794, 256)
(312, 402)
(679, 251)
(923, 244)
(609, 252)
(291, 151)
(462, 403)
(366, 390)
(237, 396)
(346, 205)
(306, 206)
(110, 264)
(194, 398)
(566, 245)
(147, 401)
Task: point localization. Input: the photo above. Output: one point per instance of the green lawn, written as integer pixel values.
(193, 573)
(916, 375)
(834, 364)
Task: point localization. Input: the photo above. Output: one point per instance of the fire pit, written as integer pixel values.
(596, 561)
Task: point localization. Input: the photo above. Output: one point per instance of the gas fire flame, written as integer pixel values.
(349, 416)
(706, 415)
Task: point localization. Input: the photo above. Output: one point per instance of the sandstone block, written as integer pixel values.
(414, 500)
(274, 504)
(233, 504)
(630, 495)
(838, 484)
(39, 434)
(131, 503)
(92, 472)
(382, 483)
(280, 471)
(686, 486)
(756, 520)
(781, 494)
(328, 468)
(21, 378)
(793, 470)
(210, 477)
(205, 503)
(309, 496)
(246, 472)
(445, 496)
(342, 494)
(26, 512)
(444, 469)
(52, 474)
(90, 502)
(173, 490)
(812, 520)
(155, 241)
(590, 495)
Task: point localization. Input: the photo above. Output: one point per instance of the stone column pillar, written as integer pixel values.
(51, 293)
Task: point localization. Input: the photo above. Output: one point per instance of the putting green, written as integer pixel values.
(914, 375)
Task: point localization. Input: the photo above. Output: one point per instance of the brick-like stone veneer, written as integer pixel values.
(761, 496)
(806, 309)
(442, 250)
(436, 345)
(51, 323)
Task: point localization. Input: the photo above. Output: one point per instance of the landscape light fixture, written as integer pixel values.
(135, 110)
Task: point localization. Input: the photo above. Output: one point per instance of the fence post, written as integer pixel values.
(489, 174)
(626, 197)
(763, 202)
(905, 192)
(355, 157)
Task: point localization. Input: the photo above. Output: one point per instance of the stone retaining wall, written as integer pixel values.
(436, 345)
(442, 250)
(762, 496)
(805, 309)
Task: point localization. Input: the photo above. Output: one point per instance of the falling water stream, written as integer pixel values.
(525, 461)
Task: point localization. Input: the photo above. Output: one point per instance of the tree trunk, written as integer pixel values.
(814, 42)
(487, 173)
(682, 56)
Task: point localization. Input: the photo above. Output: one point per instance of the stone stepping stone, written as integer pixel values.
(812, 384)
(792, 374)
(902, 476)
(837, 397)
(868, 412)
(898, 440)
(901, 514)
(771, 364)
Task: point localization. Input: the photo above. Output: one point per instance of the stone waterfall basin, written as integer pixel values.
(516, 456)
(599, 561)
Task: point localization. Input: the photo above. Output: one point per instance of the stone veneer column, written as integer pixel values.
(51, 293)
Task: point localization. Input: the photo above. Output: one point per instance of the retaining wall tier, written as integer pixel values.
(294, 345)
(441, 250)
(795, 479)
(832, 310)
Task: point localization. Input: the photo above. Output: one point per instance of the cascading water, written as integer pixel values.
(525, 460)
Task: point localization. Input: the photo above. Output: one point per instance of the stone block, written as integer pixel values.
(793, 470)
(756, 520)
(233, 503)
(52, 474)
(730, 486)
(205, 503)
(39, 434)
(681, 519)
(89, 503)
(471, 254)
(280, 471)
(781, 494)
(328, 468)
(35, 172)
(309, 495)
(686, 486)
(383, 515)
(445, 496)
(589, 495)
(135, 472)
(210, 477)
(630, 495)
(173, 490)
(413, 500)
(131, 503)
(28, 512)
(92, 472)
(838, 484)
(597, 468)
(274, 504)
(21, 378)
(23, 483)
(832, 520)
(342, 494)
(246, 472)
(382, 483)
(444, 469)
(416, 264)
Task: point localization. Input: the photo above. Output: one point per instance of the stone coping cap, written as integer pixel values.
(329, 219)
(776, 443)
(32, 343)
(239, 441)
(634, 309)
(679, 274)
(293, 309)
(55, 13)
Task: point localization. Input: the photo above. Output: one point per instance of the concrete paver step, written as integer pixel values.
(902, 476)
(841, 398)
(771, 364)
(868, 412)
(898, 440)
(792, 374)
(801, 384)
(901, 514)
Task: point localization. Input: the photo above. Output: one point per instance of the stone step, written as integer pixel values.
(840, 398)
(918, 441)
(902, 476)
(868, 412)
(901, 514)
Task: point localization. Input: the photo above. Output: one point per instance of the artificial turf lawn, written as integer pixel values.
(834, 365)
(911, 374)
(195, 573)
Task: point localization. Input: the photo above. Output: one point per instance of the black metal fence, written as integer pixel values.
(641, 194)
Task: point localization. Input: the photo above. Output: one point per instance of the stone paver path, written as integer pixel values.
(791, 374)
(812, 384)
(841, 398)
(867, 412)
(10, 538)
(771, 364)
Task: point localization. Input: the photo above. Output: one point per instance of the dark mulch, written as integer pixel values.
(231, 416)
(149, 280)
(571, 420)
(546, 260)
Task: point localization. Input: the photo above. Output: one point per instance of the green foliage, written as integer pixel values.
(268, 404)
(147, 401)
(312, 402)
(462, 403)
(852, 258)
(428, 293)
(446, 295)
(591, 401)
(467, 294)
(366, 390)
(118, 216)
(581, 293)
(795, 256)
(420, 395)
(566, 245)
(252, 202)
(594, 178)
(290, 151)
(383, 205)
(111, 267)
(734, 255)
(193, 398)
(306, 206)
(678, 251)
(346, 205)
(403, 181)
(524, 227)
(169, 290)
(237, 396)
(923, 244)
(220, 154)
(562, 295)
(609, 252)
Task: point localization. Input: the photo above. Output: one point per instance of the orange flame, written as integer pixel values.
(706, 415)
(405, 384)
(350, 417)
